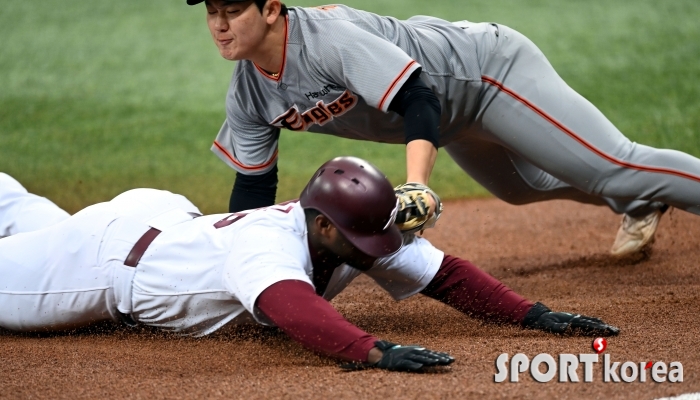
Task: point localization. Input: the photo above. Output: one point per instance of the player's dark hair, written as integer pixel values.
(261, 4)
(311, 214)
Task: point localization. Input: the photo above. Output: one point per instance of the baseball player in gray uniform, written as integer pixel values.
(148, 257)
(482, 91)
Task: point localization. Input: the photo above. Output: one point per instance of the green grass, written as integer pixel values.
(100, 97)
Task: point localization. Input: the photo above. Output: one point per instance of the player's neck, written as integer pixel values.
(270, 54)
(323, 263)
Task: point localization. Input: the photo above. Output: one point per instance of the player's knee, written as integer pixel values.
(516, 198)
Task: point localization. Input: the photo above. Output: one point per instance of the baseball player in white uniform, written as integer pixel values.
(148, 257)
(482, 91)
(21, 211)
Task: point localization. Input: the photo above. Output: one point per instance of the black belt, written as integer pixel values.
(132, 260)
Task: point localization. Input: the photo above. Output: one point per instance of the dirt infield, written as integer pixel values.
(554, 252)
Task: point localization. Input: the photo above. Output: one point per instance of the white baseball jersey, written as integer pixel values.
(195, 277)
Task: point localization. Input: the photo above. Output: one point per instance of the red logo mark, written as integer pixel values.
(649, 364)
(599, 345)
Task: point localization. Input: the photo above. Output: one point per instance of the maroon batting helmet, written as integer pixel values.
(359, 200)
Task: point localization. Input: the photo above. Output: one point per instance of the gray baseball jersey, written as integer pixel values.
(508, 119)
(341, 62)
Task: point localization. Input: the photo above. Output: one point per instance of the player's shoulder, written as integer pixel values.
(331, 17)
(328, 12)
(283, 218)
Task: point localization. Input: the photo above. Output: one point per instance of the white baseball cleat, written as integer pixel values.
(635, 233)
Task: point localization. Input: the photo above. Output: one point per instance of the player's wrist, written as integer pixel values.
(374, 355)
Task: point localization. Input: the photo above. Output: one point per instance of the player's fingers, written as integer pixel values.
(610, 331)
(592, 319)
(596, 327)
(407, 365)
(437, 358)
(443, 358)
(558, 327)
(425, 357)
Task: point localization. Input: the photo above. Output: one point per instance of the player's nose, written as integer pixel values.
(220, 23)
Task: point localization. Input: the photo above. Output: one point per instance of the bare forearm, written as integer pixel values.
(420, 159)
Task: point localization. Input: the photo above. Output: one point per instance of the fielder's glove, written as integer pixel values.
(414, 213)
(542, 318)
(404, 358)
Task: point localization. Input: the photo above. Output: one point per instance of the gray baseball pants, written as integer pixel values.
(536, 139)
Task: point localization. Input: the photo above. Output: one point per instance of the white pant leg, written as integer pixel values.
(72, 274)
(51, 279)
(21, 211)
(146, 204)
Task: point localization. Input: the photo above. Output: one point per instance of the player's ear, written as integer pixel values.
(272, 10)
(324, 226)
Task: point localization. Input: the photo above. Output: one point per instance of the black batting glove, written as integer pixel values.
(403, 358)
(540, 317)
(409, 358)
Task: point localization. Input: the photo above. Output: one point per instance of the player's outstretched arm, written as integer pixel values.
(469, 289)
(312, 321)
(540, 317)
(421, 109)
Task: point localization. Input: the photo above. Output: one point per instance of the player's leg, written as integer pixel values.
(512, 179)
(51, 279)
(145, 204)
(21, 211)
(532, 112)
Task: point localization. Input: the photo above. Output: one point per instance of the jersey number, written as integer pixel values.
(285, 207)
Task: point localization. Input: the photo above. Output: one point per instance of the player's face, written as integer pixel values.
(237, 28)
(350, 254)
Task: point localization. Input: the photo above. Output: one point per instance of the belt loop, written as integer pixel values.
(132, 260)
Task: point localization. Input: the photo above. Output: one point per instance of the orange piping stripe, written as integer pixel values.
(284, 54)
(585, 144)
(238, 163)
(393, 84)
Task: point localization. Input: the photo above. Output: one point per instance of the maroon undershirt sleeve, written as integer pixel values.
(312, 321)
(472, 291)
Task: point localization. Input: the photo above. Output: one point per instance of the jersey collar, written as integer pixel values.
(277, 77)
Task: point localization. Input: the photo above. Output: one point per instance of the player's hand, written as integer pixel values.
(419, 207)
(403, 358)
(409, 358)
(542, 318)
